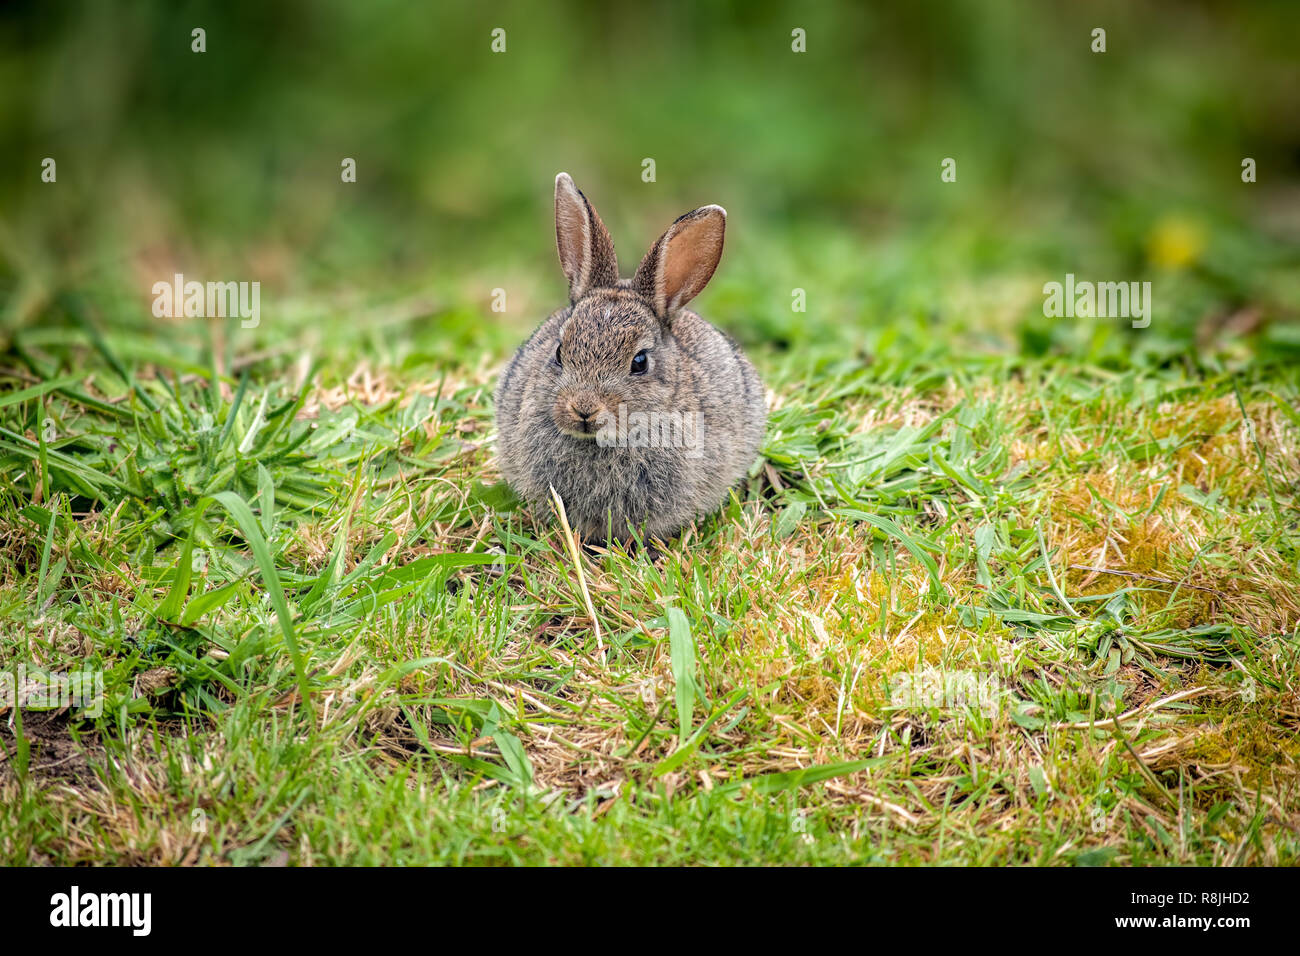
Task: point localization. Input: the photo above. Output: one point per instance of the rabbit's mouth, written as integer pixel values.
(580, 418)
(577, 426)
(585, 431)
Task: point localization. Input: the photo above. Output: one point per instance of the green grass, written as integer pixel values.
(329, 635)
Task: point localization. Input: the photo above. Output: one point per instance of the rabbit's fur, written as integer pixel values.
(690, 422)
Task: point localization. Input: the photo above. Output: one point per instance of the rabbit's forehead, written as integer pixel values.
(609, 327)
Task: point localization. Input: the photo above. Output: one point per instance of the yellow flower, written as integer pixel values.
(1175, 242)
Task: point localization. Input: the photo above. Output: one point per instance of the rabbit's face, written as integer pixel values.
(611, 351)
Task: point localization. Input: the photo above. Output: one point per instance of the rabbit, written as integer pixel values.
(639, 413)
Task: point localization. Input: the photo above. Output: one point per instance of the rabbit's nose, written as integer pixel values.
(582, 411)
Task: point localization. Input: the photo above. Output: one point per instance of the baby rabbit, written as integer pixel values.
(637, 411)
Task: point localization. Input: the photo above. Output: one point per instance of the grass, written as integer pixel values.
(997, 592)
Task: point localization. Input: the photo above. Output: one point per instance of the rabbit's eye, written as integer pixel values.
(557, 356)
(640, 363)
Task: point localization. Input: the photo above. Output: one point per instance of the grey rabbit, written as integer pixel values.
(638, 412)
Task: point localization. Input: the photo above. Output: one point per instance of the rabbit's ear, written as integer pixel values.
(586, 251)
(680, 264)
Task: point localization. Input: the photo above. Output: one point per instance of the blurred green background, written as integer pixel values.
(225, 165)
